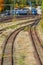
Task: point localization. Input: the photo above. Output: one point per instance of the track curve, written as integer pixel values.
(38, 38)
(6, 19)
(8, 47)
(33, 36)
(11, 41)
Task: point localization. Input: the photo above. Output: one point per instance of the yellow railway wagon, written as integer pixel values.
(1, 6)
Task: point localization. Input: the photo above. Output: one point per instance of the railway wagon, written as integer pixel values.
(33, 11)
(20, 12)
(25, 11)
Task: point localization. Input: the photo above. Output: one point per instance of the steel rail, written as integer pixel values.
(2, 59)
(31, 33)
(14, 34)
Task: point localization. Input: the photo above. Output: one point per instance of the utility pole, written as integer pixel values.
(29, 1)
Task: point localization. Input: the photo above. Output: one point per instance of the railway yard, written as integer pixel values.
(21, 40)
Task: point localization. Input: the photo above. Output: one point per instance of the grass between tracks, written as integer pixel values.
(6, 32)
(39, 29)
(12, 27)
(26, 28)
(41, 24)
(20, 61)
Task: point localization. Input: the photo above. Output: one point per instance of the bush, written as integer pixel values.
(16, 5)
(21, 6)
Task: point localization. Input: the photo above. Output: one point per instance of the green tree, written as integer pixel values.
(8, 2)
(42, 4)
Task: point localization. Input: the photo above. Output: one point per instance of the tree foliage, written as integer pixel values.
(25, 2)
(42, 4)
(1, 7)
(21, 3)
(8, 2)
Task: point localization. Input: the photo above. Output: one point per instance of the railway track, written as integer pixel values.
(6, 19)
(8, 47)
(35, 33)
(10, 40)
(36, 42)
(1, 30)
(38, 38)
(21, 17)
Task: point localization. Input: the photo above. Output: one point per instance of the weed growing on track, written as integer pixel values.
(20, 60)
(26, 28)
(12, 27)
(41, 24)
